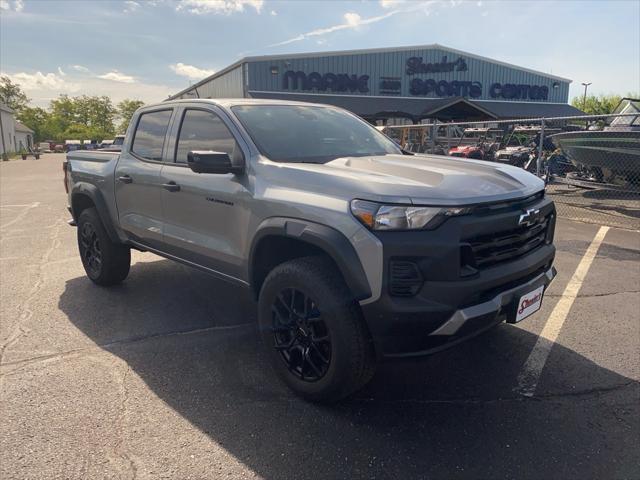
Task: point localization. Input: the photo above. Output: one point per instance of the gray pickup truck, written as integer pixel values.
(354, 249)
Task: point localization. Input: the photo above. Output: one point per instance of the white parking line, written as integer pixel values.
(21, 215)
(530, 373)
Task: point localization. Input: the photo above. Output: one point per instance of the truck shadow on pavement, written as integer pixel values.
(192, 340)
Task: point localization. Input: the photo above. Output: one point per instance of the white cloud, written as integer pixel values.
(351, 21)
(130, 6)
(116, 76)
(61, 72)
(191, 72)
(405, 6)
(44, 81)
(41, 88)
(80, 68)
(274, 13)
(391, 3)
(15, 6)
(218, 7)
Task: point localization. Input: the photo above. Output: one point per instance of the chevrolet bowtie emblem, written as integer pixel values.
(529, 217)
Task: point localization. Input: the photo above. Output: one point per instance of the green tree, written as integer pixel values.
(63, 113)
(11, 94)
(596, 105)
(126, 109)
(77, 131)
(38, 120)
(98, 114)
(95, 115)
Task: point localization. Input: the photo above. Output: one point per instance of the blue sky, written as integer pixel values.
(149, 49)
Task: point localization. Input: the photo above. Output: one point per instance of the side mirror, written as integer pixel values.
(207, 161)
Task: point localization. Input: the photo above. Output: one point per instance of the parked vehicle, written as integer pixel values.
(72, 145)
(478, 143)
(522, 144)
(106, 143)
(116, 144)
(90, 145)
(354, 250)
(44, 147)
(424, 138)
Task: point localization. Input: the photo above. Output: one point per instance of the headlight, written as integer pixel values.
(377, 216)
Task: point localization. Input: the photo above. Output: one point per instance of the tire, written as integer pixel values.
(105, 262)
(345, 361)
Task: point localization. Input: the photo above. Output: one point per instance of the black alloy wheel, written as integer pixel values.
(300, 335)
(90, 248)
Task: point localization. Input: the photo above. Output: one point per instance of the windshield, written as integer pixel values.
(311, 134)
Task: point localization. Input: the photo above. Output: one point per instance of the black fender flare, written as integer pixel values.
(91, 191)
(328, 239)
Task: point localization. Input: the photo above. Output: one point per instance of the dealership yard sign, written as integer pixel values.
(356, 83)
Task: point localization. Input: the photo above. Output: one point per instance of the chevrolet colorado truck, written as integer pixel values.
(354, 249)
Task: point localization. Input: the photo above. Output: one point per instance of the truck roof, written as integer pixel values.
(230, 102)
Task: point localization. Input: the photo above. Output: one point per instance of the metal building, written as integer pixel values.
(383, 85)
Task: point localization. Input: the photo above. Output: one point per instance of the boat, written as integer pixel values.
(610, 153)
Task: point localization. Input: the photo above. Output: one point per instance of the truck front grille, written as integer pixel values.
(497, 247)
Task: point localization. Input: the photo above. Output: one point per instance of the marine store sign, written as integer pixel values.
(340, 82)
(419, 86)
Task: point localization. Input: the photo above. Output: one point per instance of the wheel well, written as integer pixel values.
(79, 203)
(273, 250)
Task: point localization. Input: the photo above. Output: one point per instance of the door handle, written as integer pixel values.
(171, 186)
(125, 179)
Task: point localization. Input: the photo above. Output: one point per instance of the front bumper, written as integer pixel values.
(452, 303)
(407, 333)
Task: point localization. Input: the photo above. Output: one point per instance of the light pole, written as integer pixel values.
(584, 97)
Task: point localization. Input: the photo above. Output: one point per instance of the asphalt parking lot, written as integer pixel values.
(163, 377)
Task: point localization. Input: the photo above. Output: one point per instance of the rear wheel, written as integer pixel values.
(313, 330)
(105, 262)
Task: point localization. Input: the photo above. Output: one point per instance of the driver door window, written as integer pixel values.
(202, 130)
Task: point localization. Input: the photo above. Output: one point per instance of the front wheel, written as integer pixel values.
(105, 262)
(313, 330)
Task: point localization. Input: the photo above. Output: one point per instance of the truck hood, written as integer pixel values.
(417, 179)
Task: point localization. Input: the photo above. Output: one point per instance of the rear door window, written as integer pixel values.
(150, 133)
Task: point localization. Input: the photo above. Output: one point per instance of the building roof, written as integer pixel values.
(21, 127)
(333, 53)
(503, 109)
(433, 46)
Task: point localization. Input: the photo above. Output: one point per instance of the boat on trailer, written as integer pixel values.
(610, 153)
